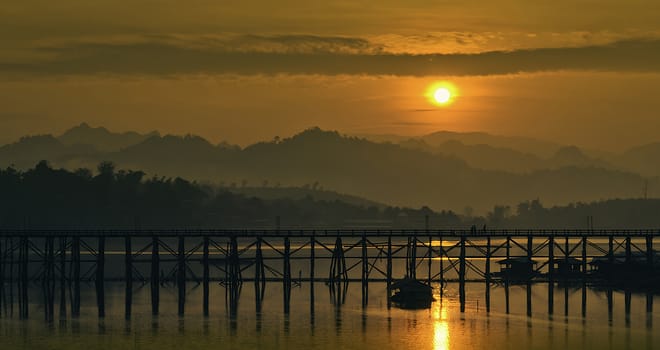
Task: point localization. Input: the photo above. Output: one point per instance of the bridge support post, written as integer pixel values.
(551, 275)
(365, 272)
(128, 257)
(650, 255)
(181, 276)
(63, 243)
(49, 279)
(287, 275)
(584, 276)
(487, 274)
(155, 276)
(11, 264)
(312, 268)
(24, 264)
(206, 276)
(75, 261)
(627, 301)
(389, 272)
(442, 265)
(100, 277)
(259, 277)
(461, 274)
(528, 289)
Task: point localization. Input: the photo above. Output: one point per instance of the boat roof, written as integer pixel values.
(409, 283)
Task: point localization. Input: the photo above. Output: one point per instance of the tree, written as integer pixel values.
(106, 169)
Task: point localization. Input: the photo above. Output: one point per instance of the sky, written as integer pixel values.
(575, 72)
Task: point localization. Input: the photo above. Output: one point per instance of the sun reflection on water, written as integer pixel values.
(440, 327)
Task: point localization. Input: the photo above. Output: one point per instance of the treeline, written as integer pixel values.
(612, 213)
(44, 197)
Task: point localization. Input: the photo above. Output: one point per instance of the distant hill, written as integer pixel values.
(525, 145)
(385, 173)
(521, 144)
(102, 139)
(483, 156)
(31, 149)
(643, 159)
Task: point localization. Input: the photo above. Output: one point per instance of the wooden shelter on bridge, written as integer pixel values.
(517, 269)
(568, 268)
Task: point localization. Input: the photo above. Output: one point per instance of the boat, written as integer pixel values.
(410, 293)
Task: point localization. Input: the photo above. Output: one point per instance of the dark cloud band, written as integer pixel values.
(316, 55)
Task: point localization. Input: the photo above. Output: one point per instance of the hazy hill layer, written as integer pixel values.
(383, 172)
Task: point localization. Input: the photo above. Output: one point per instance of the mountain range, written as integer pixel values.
(462, 172)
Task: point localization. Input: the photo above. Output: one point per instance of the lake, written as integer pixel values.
(326, 324)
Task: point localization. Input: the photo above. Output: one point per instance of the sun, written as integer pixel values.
(441, 93)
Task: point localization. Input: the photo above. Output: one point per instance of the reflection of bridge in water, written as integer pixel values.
(60, 260)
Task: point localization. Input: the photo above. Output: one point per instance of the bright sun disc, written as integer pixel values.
(442, 95)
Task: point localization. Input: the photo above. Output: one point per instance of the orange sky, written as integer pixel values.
(577, 72)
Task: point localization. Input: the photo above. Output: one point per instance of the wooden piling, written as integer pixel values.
(128, 265)
(49, 279)
(461, 274)
(627, 301)
(585, 242)
(11, 276)
(584, 276)
(610, 304)
(429, 251)
(551, 275)
(287, 275)
(389, 271)
(181, 276)
(506, 280)
(442, 264)
(24, 271)
(487, 274)
(566, 300)
(413, 258)
(649, 309)
(528, 291)
(650, 255)
(155, 276)
(206, 275)
(63, 243)
(100, 277)
(430, 261)
(506, 297)
(365, 272)
(75, 262)
(530, 252)
(312, 267)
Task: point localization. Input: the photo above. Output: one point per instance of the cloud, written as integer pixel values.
(308, 54)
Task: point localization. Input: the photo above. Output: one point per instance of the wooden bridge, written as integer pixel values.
(63, 259)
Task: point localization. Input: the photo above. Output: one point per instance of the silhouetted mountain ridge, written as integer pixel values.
(101, 138)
